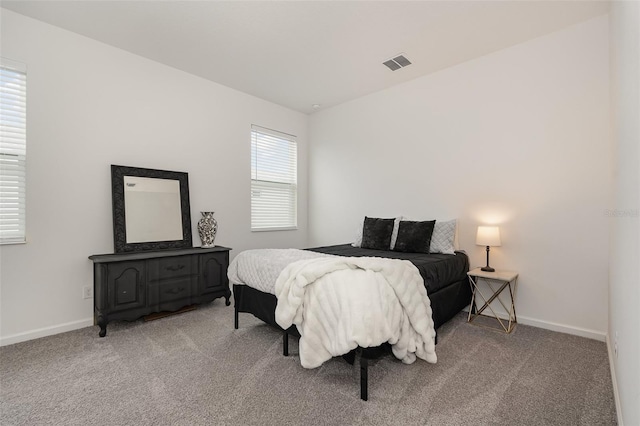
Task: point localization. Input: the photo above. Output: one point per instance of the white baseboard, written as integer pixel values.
(46, 331)
(561, 328)
(616, 395)
(75, 325)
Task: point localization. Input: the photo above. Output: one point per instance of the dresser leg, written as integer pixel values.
(227, 298)
(102, 322)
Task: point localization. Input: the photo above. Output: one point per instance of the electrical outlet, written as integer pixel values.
(87, 292)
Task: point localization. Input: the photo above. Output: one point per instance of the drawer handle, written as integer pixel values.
(175, 290)
(175, 268)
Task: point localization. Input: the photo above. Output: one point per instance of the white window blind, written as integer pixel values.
(13, 151)
(274, 180)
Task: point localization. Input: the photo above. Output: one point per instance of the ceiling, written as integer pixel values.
(300, 53)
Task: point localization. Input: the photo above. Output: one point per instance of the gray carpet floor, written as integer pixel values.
(195, 369)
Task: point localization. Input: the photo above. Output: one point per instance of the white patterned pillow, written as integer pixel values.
(442, 239)
(357, 241)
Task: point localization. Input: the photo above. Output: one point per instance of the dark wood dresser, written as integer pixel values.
(128, 286)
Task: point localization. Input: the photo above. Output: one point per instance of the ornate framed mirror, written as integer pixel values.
(151, 209)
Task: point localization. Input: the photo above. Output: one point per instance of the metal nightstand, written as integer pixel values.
(497, 281)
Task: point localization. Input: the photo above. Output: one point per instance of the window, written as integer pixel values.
(274, 180)
(13, 151)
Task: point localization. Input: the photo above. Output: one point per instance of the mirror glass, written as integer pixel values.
(150, 209)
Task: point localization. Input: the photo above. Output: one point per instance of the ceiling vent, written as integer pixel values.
(398, 62)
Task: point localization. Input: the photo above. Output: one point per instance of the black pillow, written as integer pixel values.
(376, 233)
(414, 237)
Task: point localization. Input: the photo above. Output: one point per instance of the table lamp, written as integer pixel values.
(488, 236)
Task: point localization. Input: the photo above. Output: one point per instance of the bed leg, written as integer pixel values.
(285, 343)
(436, 339)
(364, 379)
(235, 317)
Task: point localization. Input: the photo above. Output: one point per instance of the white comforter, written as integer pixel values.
(339, 303)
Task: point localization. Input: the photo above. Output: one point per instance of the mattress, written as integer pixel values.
(437, 270)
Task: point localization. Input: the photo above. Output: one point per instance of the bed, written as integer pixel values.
(444, 276)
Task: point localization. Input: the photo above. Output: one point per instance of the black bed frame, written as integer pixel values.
(445, 304)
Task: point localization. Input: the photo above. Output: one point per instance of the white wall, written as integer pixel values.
(519, 138)
(624, 284)
(90, 106)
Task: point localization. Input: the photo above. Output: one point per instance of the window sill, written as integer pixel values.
(286, 228)
(10, 242)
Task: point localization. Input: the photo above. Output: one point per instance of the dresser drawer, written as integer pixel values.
(171, 267)
(171, 291)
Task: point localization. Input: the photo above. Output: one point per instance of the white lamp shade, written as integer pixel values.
(488, 236)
